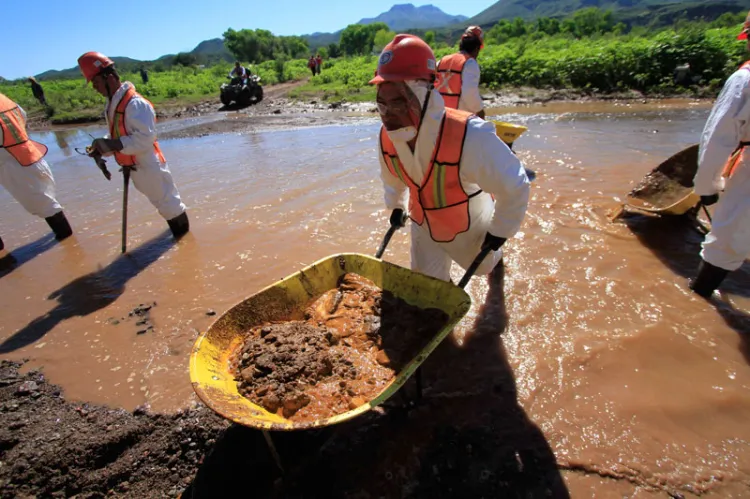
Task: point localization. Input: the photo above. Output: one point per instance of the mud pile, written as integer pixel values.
(669, 182)
(353, 342)
(53, 448)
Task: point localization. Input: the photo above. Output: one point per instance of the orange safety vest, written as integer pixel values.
(117, 129)
(441, 199)
(738, 155)
(15, 139)
(449, 78)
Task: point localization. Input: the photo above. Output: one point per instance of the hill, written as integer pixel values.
(650, 12)
(404, 16)
(401, 17)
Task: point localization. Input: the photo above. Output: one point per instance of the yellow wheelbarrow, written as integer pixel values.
(509, 133)
(210, 371)
(668, 188)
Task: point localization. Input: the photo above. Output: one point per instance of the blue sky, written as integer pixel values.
(51, 34)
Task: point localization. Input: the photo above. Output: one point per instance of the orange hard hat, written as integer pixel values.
(474, 32)
(745, 29)
(91, 64)
(406, 57)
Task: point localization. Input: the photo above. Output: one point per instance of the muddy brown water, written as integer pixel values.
(638, 387)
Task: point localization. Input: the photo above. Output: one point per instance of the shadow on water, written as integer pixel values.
(677, 243)
(91, 292)
(28, 252)
(468, 437)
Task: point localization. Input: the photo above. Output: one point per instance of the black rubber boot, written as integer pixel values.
(709, 278)
(59, 225)
(179, 225)
(7, 260)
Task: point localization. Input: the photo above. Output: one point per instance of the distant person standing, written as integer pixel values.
(311, 64)
(38, 91)
(25, 173)
(458, 74)
(144, 75)
(318, 63)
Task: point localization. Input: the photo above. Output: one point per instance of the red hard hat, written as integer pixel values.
(91, 64)
(406, 57)
(745, 29)
(474, 32)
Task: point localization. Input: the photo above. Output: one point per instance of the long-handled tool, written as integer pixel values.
(126, 180)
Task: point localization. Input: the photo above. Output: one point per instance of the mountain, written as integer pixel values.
(399, 18)
(206, 52)
(75, 72)
(636, 11)
(404, 16)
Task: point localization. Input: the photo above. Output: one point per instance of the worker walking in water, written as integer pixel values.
(724, 165)
(462, 186)
(458, 74)
(25, 173)
(132, 139)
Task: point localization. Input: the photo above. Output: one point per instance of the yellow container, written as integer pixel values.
(508, 132)
(680, 207)
(209, 360)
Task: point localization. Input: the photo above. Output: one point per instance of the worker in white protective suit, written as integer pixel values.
(462, 186)
(132, 140)
(25, 173)
(458, 74)
(724, 165)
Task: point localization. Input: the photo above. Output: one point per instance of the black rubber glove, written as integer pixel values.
(104, 146)
(709, 200)
(493, 242)
(398, 218)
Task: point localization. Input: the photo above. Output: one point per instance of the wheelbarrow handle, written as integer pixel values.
(473, 267)
(386, 240)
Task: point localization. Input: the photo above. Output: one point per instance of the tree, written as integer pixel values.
(382, 38)
(429, 38)
(334, 50)
(358, 39)
(184, 59)
(261, 45)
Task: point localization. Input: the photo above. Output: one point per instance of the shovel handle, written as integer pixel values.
(473, 267)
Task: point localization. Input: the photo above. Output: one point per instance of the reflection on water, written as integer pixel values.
(627, 374)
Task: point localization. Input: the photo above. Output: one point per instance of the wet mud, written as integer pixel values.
(50, 447)
(355, 340)
(669, 182)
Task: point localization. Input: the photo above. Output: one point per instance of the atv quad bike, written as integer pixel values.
(243, 93)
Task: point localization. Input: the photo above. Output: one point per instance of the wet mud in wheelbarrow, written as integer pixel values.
(355, 339)
(668, 188)
(467, 437)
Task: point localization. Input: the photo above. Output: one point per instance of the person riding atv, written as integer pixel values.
(243, 88)
(239, 71)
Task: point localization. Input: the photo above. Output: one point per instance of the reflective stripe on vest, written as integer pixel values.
(441, 200)
(117, 129)
(450, 78)
(739, 153)
(15, 139)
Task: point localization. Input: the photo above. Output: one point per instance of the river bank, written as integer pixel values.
(278, 109)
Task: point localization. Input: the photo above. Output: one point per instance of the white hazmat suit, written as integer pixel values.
(728, 243)
(486, 164)
(32, 186)
(470, 99)
(151, 177)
